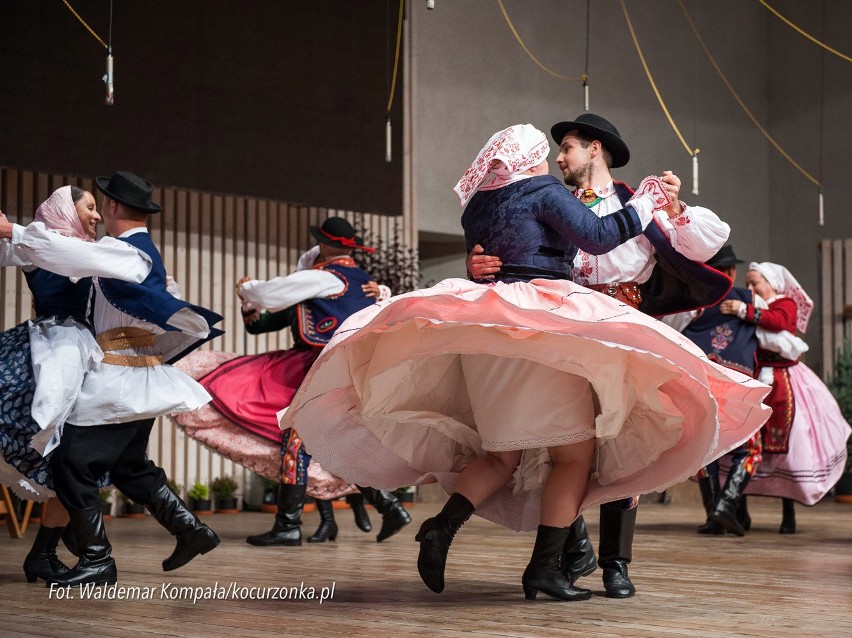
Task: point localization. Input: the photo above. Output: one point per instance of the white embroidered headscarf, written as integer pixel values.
(58, 213)
(501, 161)
(784, 283)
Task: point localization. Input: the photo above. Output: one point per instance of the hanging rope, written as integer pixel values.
(396, 56)
(83, 22)
(693, 153)
(740, 102)
(804, 33)
(529, 53)
(585, 76)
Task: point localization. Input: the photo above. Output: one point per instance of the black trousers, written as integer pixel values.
(85, 453)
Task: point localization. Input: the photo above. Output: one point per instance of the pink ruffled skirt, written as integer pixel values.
(817, 446)
(411, 390)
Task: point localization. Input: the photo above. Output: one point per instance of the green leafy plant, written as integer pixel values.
(841, 387)
(223, 487)
(394, 263)
(199, 492)
(105, 495)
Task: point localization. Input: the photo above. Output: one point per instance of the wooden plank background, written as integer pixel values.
(208, 241)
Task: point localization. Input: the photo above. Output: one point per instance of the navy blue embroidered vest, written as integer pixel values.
(317, 319)
(726, 338)
(151, 302)
(55, 295)
(677, 284)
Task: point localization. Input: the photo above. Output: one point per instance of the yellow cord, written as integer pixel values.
(804, 33)
(396, 56)
(83, 22)
(740, 102)
(524, 47)
(651, 80)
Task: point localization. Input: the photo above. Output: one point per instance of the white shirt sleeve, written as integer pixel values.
(308, 258)
(283, 292)
(109, 257)
(9, 255)
(697, 233)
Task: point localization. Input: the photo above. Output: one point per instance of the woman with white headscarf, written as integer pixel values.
(804, 441)
(528, 399)
(42, 365)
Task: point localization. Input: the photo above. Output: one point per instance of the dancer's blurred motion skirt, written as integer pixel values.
(413, 389)
(251, 389)
(42, 366)
(816, 448)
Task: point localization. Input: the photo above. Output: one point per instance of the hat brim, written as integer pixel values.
(722, 263)
(317, 234)
(613, 143)
(103, 182)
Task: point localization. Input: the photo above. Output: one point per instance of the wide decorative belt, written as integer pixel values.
(626, 291)
(125, 339)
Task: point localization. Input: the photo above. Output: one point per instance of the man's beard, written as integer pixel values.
(580, 175)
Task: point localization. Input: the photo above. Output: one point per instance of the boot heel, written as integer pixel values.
(333, 537)
(530, 593)
(31, 578)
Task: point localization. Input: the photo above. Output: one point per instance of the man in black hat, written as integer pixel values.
(141, 328)
(312, 302)
(732, 342)
(682, 239)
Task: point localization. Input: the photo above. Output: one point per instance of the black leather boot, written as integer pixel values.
(327, 530)
(42, 561)
(788, 517)
(742, 513)
(435, 537)
(193, 536)
(724, 511)
(68, 541)
(709, 486)
(616, 549)
(578, 555)
(288, 519)
(394, 516)
(545, 572)
(362, 519)
(96, 564)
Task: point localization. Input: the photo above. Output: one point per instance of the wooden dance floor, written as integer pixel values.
(688, 585)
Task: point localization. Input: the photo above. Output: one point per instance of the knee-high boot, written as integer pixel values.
(394, 516)
(545, 572)
(616, 549)
(724, 511)
(42, 561)
(362, 519)
(288, 519)
(578, 555)
(709, 486)
(327, 530)
(742, 513)
(96, 564)
(193, 537)
(435, 536)
(788, 517)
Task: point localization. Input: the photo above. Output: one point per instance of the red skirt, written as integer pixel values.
(250, 390)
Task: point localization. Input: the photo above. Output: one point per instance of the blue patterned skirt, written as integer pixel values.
(22, 468)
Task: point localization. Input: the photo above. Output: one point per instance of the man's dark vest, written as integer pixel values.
(677, 284)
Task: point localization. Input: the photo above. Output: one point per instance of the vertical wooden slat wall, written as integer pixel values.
(836, 293)
(207, 241)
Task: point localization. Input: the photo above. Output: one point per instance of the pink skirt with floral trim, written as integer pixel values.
(259, 454)
(817, 446)
(390, 401)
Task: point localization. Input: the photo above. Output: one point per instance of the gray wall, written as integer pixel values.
(483, 81)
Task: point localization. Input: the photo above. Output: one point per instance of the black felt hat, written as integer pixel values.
(338, 232)
(599, 129)
(130, 190)
(725, 257)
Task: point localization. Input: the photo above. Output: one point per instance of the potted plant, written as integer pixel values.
(224, 488)
(133, 509)
(199, 499)
(841, 387)
(269, 504)
(106, 504)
